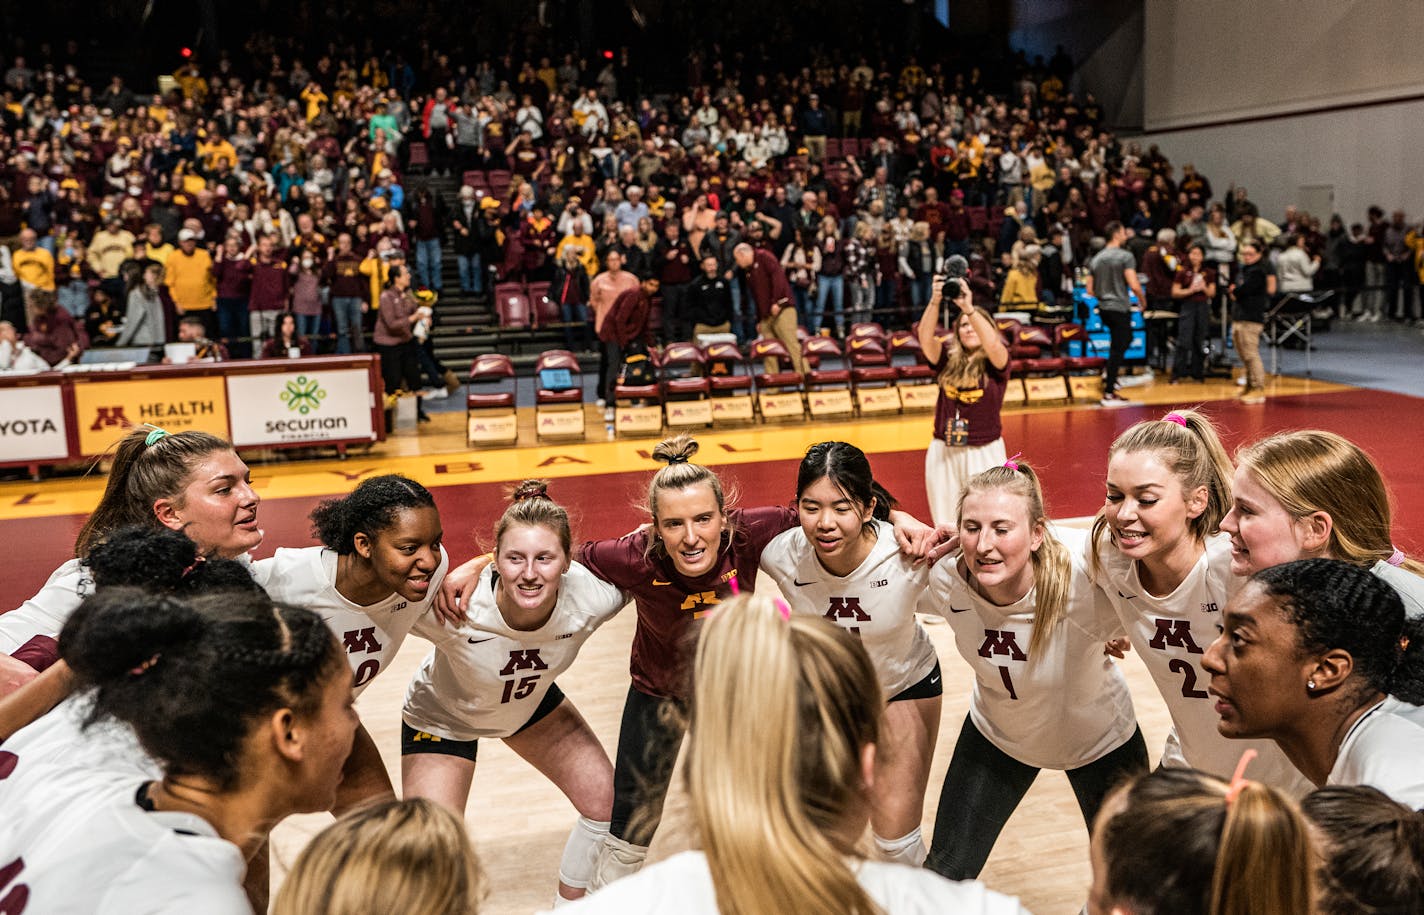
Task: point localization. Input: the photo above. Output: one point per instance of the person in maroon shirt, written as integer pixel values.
(270, 281)
(233, 272)
(677, 570)
(972, 371)
(771, 293)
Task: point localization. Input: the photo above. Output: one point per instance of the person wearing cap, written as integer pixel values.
(388, 188)
(110, 247)
(188, 274)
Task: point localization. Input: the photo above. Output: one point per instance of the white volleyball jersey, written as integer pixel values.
(1383, 749)
(118, 857)
(486, 679)
(55, 762)
(683, 884)
(876, 602)
(46, 613)
(1409, 586)
(1170, 634)
(371, 635)
(1057, 707)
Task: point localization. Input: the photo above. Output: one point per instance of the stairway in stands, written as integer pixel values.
(466, 325)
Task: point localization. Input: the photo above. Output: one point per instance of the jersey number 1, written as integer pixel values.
(1008, 682)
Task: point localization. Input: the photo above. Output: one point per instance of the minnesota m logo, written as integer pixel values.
(359, 640)
(847, 608)
(1177, 633)
(1006, 643)
(524, 660)
(109, 416)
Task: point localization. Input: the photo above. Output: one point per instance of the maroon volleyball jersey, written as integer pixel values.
(669, 605)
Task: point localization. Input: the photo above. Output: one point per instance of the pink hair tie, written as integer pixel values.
(1238, 778)
(783, 608)
(1396, 558)
(1177, 418)
(732, 583)
(1012, 463)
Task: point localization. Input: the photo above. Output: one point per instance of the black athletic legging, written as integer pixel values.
(648, 740)
(984, 786)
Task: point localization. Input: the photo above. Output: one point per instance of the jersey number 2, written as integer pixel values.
(525, 687)
(1189, 678)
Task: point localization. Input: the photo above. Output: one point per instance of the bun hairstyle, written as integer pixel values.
(1052, 566)
(530, 506)
(677, 453)
(1337, 605)
(162, 560)
(782, 708)
(411, 856)
(847, 467)
(1315, 471)
(1185, 843)
(1189, 446)
(370, 508)
(1373, 851)
(147, 466)
(191, 676)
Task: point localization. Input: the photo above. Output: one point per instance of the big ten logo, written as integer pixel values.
(882, 583)
(521, 659)
(847, 608)
(16, 895)
(1001, 643)
(700, 603)
(1210, 607)
(359, 641)
(104, 417)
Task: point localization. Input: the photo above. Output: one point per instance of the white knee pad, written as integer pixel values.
(616, 858)
(581, 852)
(908, 849)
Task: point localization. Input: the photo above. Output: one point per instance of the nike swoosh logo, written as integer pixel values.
(659, 584)
(802, 584)
(934, 680)
(954, 609)
(1126, 596)
(478, 641)
(857, 344)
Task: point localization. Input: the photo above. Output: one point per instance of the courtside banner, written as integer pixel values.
(32, 426)
(297, 407)
(106, 410)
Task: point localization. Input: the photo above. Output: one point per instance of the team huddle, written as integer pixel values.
(168, 700)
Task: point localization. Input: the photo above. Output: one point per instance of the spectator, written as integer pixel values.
(15, 356)
(861, 272)
(570, 289)
(675, 272)
(33, 265)
(54, 335)
(770, 293)
(191, 283)
(271, 284)
(1159, 268)
(625, 324)
(917, 264)
(1020, 292)
(109, 248)
(1253, 298)
(288, 342)
(1296, 268)
(709, 300)
(466, 243)
(395, 341)
(605, 289)
(1399, 279)
(815, 127)
(144, 317)
(191, 329)
(347, 290)
(233, 272)
(425, 217)
(1193, 287)
(801, 262)
(306, 294)
(1112, 273)
(74, 277)
(631, 210)
(830, 278)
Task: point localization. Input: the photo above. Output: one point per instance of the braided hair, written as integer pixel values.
(370, 508)
(193, 676)
(1337, 605)
(164, 561)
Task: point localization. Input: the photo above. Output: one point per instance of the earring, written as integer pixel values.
(1310, 684)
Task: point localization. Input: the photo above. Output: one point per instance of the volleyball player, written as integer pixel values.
(1183, 842)
(1317, 655)
(525, 621)
(676, 571)
(411, 857)
(373, 578)
(781, 763)
(1372, 851)
(245, 704)
(187, 481)
(1031, 624)
(1159, 558)
(1314, 494)
(842, 563)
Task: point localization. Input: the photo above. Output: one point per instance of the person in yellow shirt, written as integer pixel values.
(33, 265)
(110, 247)
(154, 246)
(586, 247)
(213, 148)
(188, 274)
(314, 98)
(377, 266)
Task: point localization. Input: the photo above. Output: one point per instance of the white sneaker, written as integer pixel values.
(435, 393)
(600, 403)
(608, 415)
(1114, 400)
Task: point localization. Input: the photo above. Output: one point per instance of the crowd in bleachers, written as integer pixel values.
(232, 196)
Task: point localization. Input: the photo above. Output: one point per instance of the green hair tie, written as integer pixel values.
(154, 437)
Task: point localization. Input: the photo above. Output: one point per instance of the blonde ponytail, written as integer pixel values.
(1264, 860)
(781, 712)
